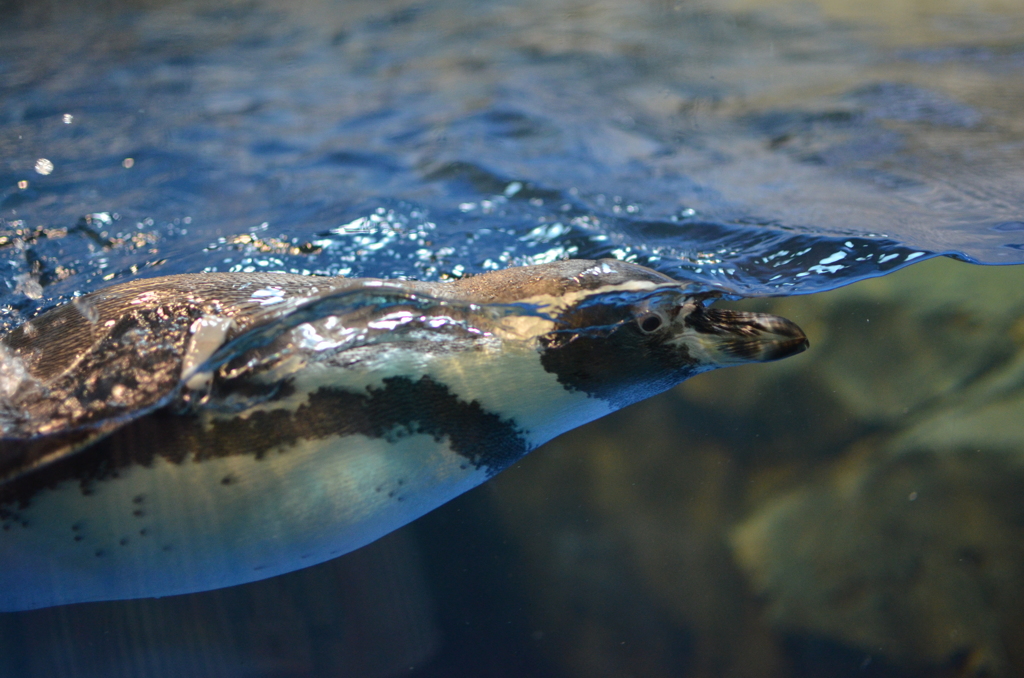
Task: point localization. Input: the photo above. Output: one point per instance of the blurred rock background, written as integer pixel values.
(856, 510)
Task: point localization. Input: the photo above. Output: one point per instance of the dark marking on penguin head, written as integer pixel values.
(624, 342)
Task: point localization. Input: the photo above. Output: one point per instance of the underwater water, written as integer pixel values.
(853, 511)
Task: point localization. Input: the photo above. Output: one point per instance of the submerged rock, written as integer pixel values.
(859, 505)
(915, 556)
(911, 543)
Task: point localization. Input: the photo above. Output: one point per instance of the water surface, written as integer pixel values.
(759, 149)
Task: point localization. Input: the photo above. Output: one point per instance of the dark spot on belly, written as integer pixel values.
(77, 527)
(227, 480)
(124, 541)
(100, 553)
(166, 548)
(138, 513)
(79, 537)
(143, 532)
(138, 499)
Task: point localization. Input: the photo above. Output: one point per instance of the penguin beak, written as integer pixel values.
(733, 337)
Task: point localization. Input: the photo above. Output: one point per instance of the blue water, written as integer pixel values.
(758, 152)
(465, 136)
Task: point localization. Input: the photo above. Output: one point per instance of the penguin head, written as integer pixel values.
(623, 332)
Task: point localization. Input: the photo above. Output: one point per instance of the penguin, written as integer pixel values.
(190, 432)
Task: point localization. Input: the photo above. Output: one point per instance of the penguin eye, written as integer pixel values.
(650, 322)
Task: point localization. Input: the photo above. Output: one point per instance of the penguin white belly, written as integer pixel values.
(174, 528)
